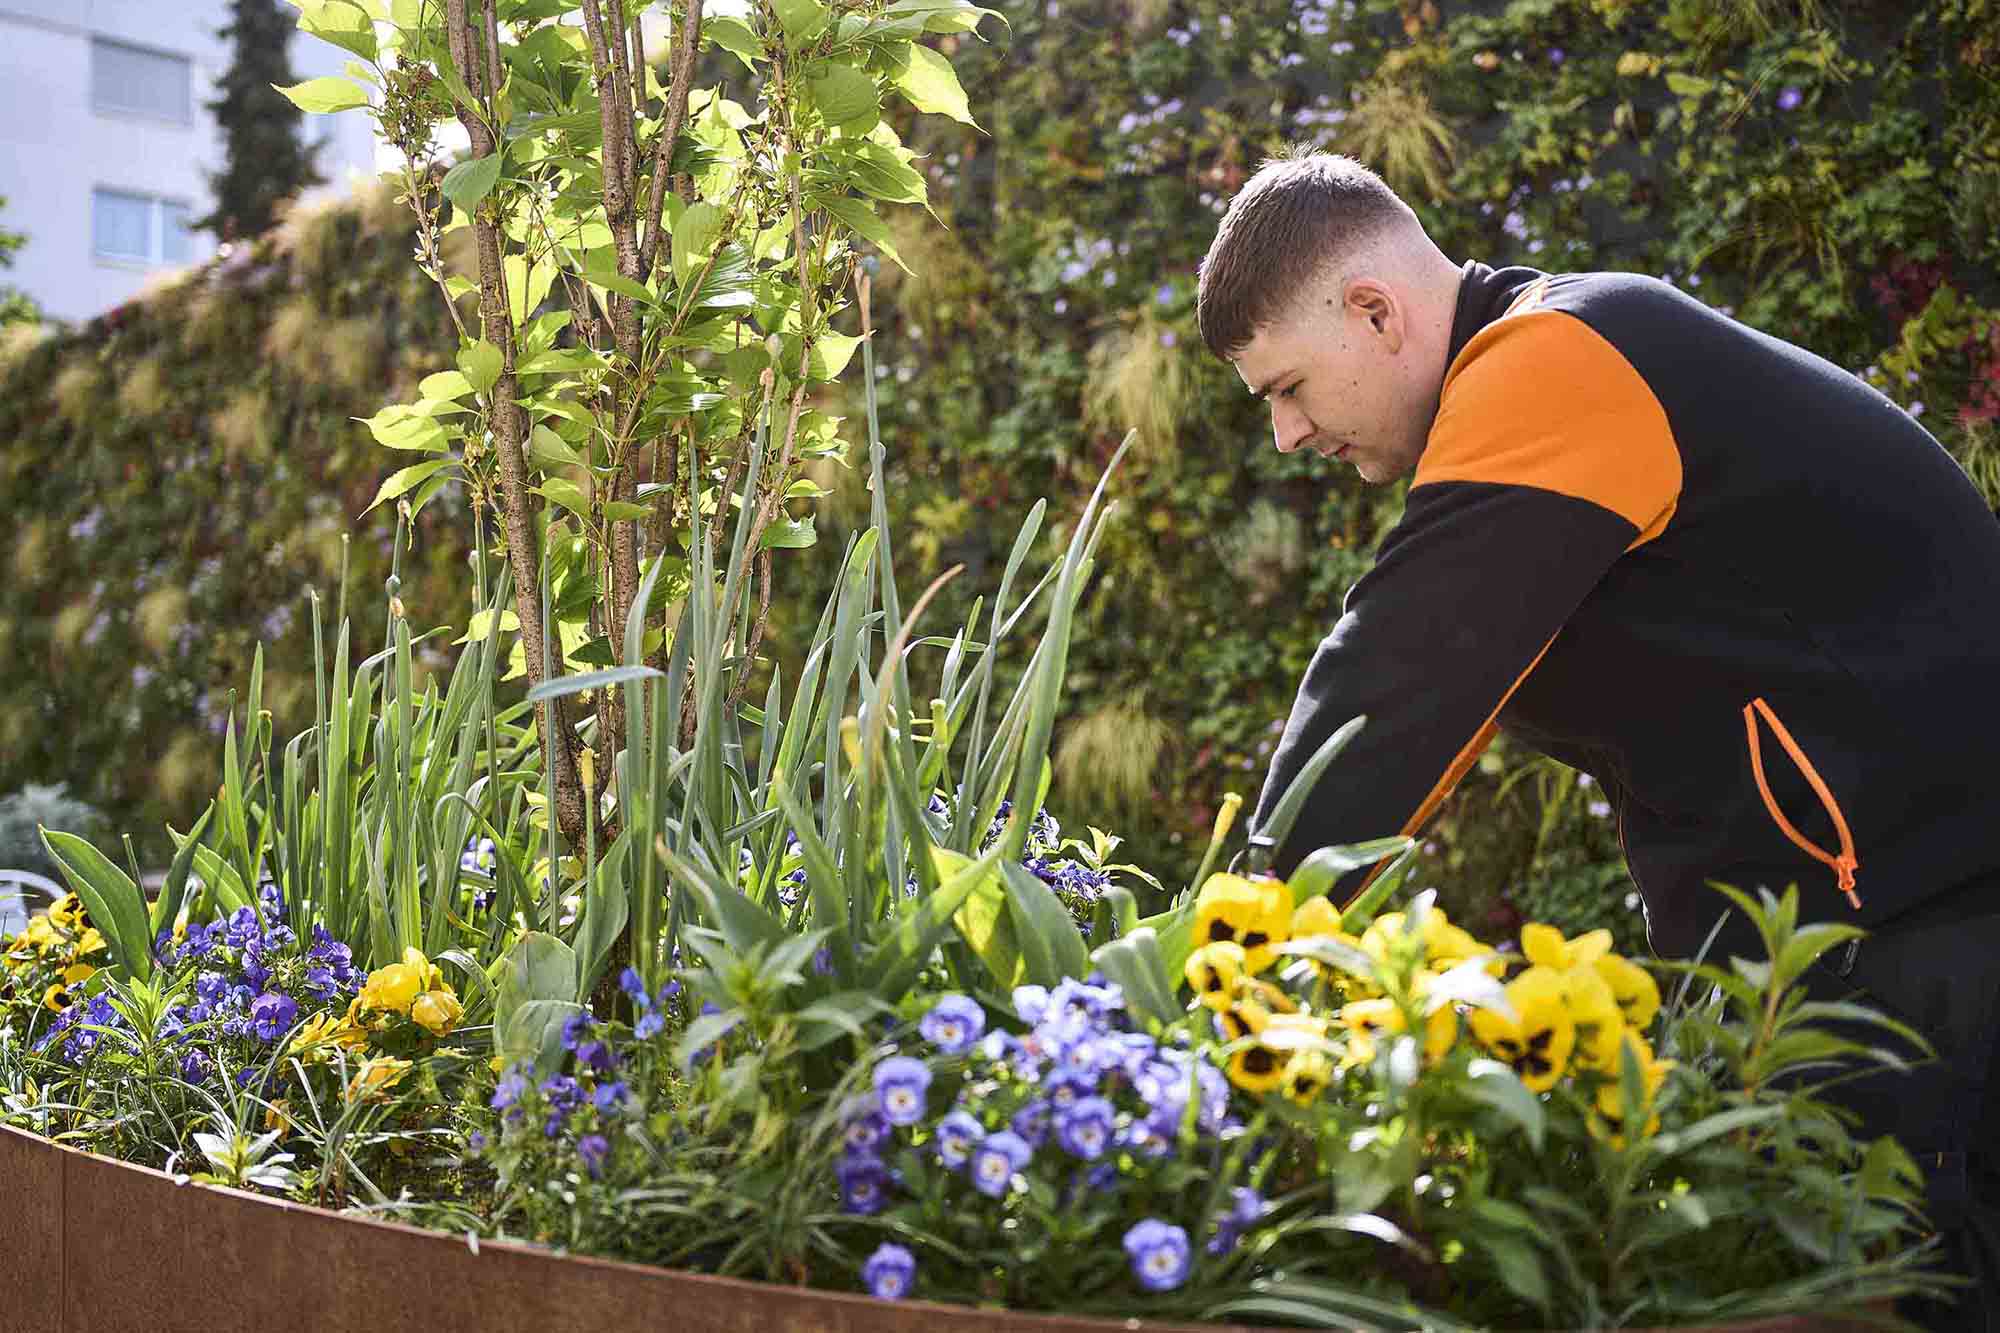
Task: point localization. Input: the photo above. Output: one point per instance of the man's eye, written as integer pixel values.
(1288, 391)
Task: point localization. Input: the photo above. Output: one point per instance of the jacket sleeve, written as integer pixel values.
(1549, 459)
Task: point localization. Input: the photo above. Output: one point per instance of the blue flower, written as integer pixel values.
(1245, 1207)
(1070, 1086)
(634, 985)
(509, 1091)
(1031, 1123)
(957, 1135)
(593, 1149)
(890, 1272)
(575, 1028)
(864, 1184)
(271, 1015)
(608, 1096)
(953, 1023)
(995, 1161)
(596, 1056)
(650, 1025)
(900, 1084)
(1084, 1130)
(564, 1095)
(1789, 99)
(1031, 1003)
(1159, 1254)
(864, 1133)
(195, 1067)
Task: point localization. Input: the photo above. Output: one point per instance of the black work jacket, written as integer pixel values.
(1743, 590)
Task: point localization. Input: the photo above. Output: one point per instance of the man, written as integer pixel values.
(1740, 588)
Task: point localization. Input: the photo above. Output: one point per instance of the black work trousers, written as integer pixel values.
(1937, 969)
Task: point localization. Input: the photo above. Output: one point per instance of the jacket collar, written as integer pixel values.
(1484, 293)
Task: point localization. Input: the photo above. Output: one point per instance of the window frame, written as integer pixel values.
(156, 229)
(184, 119)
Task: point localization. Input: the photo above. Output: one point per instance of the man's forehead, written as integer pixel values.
(1262, 362)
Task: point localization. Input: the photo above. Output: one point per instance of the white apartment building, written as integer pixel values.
(106, 144)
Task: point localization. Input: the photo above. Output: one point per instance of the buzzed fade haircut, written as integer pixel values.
(1303, 210)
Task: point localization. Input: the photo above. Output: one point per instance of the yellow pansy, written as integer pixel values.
(1546, 946)
(278, 1116)
(1257, 1068)
(1637, 994)
(90, 942)
(1254, 913)
(438, 1010)
(1306, 1075)
(1315, 916)
(323, 1033)
(1600, 1023)
(391, 989)
(1610, 1114)
(1538, 1040)
(1242, 1019)
(78, 973)
(1212, 972)
(67, 911)
(376, 1076)
(1375, 1018)
(56, 997)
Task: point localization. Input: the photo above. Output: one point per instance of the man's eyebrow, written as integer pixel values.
(1263, 390)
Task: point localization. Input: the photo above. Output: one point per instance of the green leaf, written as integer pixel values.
(830, 354)
(116, 906)
(790, 534)
(1051, 944)
(1320, 871)
(734, 36)
(551, 450)
(323, 95)
(1498, 1086)
(446, 384)
(877, 170)
(470, 181)
(1133, 960)
(1686, 85)
(594, 680)
(404, 480)
(563, 491)
(481, 362)
(802, 20)
(527, 285)
(167, 907)
(343, 23)
(695, 232)
(399, 426)
(931, 84)
(861, 218)
(846, 96)
(942, 15)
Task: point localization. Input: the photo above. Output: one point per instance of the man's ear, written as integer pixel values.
(1373, 301)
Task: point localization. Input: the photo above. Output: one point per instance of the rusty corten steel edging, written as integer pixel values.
(31, 1213)
(93, 1245)
(102, 1245)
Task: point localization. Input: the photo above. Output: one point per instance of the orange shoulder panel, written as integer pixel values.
(1539, 398)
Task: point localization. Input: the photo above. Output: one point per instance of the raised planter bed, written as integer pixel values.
(93, 1245)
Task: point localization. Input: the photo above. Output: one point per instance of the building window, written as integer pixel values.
(131, 80)
(139, 228)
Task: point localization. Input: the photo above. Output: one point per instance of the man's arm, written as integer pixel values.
(1550, 458)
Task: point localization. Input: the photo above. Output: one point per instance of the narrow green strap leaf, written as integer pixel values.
(115, 904)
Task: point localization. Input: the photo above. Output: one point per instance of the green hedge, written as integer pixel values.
(177, 473)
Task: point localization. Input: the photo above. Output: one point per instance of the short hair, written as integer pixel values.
(1301, 212)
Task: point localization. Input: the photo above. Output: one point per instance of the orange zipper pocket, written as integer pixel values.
(1846, 863)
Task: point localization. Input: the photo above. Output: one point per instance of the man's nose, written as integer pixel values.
(1289, 427)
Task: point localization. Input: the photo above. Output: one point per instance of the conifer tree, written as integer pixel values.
(266, 158)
